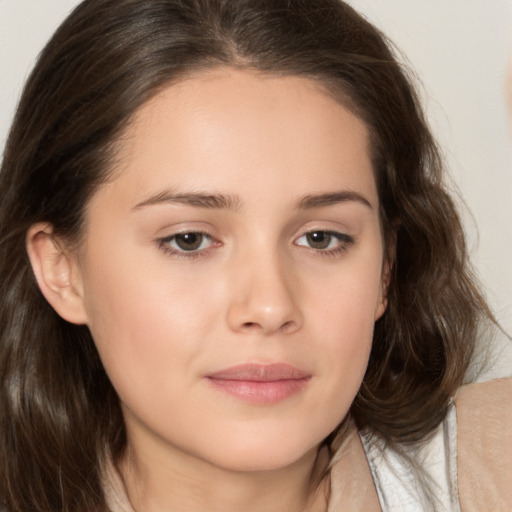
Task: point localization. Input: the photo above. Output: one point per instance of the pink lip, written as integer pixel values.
(260, 383)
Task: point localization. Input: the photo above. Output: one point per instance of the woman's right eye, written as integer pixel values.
(189, 243)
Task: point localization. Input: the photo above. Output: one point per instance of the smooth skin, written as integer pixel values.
(240, 226)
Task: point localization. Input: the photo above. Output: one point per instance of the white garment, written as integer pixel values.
(397, 485)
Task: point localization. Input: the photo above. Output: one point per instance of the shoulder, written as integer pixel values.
(484, 419)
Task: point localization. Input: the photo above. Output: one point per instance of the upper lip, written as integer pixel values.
(260, 373)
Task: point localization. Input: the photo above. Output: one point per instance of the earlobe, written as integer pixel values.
(56, 272)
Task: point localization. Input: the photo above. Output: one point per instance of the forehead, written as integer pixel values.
(214, 128)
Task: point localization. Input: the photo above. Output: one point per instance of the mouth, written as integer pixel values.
(262, 384)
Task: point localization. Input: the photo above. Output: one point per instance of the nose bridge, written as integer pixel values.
(264, 297)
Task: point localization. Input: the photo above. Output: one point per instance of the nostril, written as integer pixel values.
(288, 326)
(285, 328)
(250, 325)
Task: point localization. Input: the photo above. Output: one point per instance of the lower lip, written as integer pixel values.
(262, 393)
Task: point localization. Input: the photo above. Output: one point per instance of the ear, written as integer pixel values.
(57, 273)
(387, 270)
(382, 303)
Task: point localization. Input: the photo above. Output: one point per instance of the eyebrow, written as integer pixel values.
(331, 198)
(232, 202)
(196, 199)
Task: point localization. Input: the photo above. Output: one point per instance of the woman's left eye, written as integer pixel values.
(328, 241)
(189, 242)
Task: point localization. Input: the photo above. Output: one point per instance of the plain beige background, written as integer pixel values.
(459, 50)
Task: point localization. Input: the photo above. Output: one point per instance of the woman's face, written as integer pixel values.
(232, 270)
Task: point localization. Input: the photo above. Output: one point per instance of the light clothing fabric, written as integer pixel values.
(468, 461)
(398, 487)
(115, 493)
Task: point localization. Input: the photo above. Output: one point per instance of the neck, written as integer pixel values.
(161, 484)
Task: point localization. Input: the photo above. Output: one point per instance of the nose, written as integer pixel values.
(264, 298)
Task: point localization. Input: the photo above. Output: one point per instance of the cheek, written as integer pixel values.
(343, 312)
(350, 297)
(146, 322)
(348, 341)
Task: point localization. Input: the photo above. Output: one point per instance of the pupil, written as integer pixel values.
(189, 241)
(319, 239)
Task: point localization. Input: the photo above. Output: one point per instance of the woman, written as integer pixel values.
(226, 251)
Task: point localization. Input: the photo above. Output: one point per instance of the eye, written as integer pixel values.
(328, 241)
(189, 242)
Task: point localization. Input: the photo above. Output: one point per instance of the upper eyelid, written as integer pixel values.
(168, 233)
(332, 232)
(186, 232)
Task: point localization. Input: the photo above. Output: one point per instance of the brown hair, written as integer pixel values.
(58, 410)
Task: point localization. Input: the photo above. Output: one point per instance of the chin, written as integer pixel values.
(255, 457)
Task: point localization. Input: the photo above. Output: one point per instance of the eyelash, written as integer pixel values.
(344, 242)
